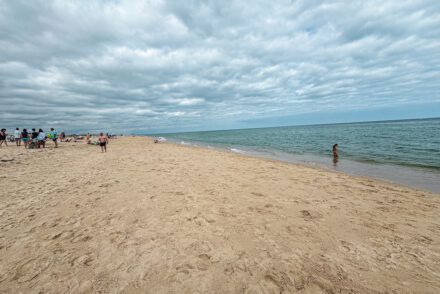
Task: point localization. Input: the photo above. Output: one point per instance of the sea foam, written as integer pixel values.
(236, 150)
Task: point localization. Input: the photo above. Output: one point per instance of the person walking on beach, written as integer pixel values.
(3, 136)
(103, 141)
(17, 137)
(54, 136)
(25, 137)
(41, 138)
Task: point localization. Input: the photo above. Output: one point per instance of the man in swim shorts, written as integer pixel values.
(103, 141)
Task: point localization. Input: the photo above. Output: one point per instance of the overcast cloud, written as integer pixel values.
(138, 66)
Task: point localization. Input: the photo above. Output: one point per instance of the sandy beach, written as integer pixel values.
(165, 218)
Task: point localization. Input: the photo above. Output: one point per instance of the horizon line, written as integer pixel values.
(299, 125)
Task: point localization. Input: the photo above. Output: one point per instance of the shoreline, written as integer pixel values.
(415, 178)
(166, 218)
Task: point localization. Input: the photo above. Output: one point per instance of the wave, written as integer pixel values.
(236, 150)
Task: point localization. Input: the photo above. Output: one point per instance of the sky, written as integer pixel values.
(170, 66)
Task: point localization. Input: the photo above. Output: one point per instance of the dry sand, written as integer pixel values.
(164, 218)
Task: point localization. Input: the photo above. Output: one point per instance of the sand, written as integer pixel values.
(164, 218)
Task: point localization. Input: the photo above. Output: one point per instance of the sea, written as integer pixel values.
(403, 151)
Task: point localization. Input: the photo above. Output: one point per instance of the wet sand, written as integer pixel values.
(165, 218)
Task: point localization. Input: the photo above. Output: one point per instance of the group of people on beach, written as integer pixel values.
(102, 140)
(32, 139)
(37, 139)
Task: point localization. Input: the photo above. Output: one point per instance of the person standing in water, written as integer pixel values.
(335, 151)
(103, 141)
(335, 154)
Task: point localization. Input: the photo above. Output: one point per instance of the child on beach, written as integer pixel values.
(103, 141)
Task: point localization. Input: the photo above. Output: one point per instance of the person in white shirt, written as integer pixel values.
(17, 136)
(41, 138)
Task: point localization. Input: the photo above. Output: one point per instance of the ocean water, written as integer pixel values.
(405, 151)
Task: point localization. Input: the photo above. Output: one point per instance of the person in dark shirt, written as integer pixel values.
(25, 137)
(3, 136)
(34, 136)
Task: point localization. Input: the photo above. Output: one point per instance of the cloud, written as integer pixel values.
(136, 66)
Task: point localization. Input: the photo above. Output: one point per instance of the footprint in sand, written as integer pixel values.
(279, 283)
(229, 269)
(118, 238)
(185, 268)
(84, 260)
(81, 238)
(204, 262)
(63, 235)
(257, 194)
(29, 270)
(307, 215)
(209, 218)
(424, 239)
